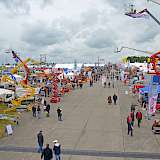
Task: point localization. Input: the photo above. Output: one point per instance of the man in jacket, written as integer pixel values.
(40, 141)
(59, 113)
(115, 98)
(47, 153)
(34, 111)
(57, 150)
(139, 117)
(48, 109)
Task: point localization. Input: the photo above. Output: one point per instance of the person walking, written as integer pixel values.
(57, 150)
(109, 84)
(34, 111)
(139, 117)
(40, 141)
(113, 84)
(115, 98)
(81, 84)
(38, 112)
(48, 109)
(73, 85)
(45, 102)
(59, 113)
(109, 100)
(91, 83)
(47, 153)
(130, 127)
(132, 116)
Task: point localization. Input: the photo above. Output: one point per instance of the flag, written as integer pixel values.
(152, 104)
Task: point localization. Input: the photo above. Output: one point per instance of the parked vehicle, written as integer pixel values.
(6, 95)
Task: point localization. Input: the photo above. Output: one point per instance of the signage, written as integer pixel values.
(9, 129)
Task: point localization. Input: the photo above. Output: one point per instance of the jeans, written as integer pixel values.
(57, 157)
(130, 129)
(38, 114)
(60, 117)
(40, 148)
(139, 122)
(34, 114)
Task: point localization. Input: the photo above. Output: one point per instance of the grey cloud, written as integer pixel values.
(90, 17)
(100, 39)
(146, 36)
(58, 51)
(17, 7)
(43, 36)
(118, 4)
(45, 3)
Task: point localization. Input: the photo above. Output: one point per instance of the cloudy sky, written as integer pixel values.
(75, 29)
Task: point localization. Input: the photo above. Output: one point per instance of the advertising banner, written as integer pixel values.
(152, 104)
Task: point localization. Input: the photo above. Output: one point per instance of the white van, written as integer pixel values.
(6, 95)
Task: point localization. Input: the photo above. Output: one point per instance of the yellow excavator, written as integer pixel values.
(29, 90)
(29, 93)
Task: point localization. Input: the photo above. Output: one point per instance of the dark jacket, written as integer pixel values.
(132, 115)
(33, 109)
(40, 139)
(115, 97)
(59, 112)
(47, 154)
(57, 149)
(48, 108)
(38, 109)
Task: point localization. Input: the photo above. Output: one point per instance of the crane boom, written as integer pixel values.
(154, 2)
(134, 49)
(153, 17)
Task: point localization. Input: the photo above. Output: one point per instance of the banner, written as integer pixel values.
(9, 129)
(152, 104)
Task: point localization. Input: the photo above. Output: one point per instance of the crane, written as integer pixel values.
(134, 14)
(154, 1)
(124, 47)
(151, 15)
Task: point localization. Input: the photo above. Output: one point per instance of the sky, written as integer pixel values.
(81, 30)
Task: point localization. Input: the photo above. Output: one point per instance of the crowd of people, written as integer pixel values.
(43, 107)
(47, 152)
(131, 119)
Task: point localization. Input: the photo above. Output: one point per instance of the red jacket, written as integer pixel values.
(129, 119)
(139, 115)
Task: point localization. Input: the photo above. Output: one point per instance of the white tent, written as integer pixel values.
(71, 75)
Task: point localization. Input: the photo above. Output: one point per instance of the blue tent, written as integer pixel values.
(156, 79)
(66, 70)
(158, 89)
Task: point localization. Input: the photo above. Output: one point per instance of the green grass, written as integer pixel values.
(2, 130)
(3, 106)
(3, 124)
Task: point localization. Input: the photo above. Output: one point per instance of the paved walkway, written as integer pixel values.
(89, 124)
